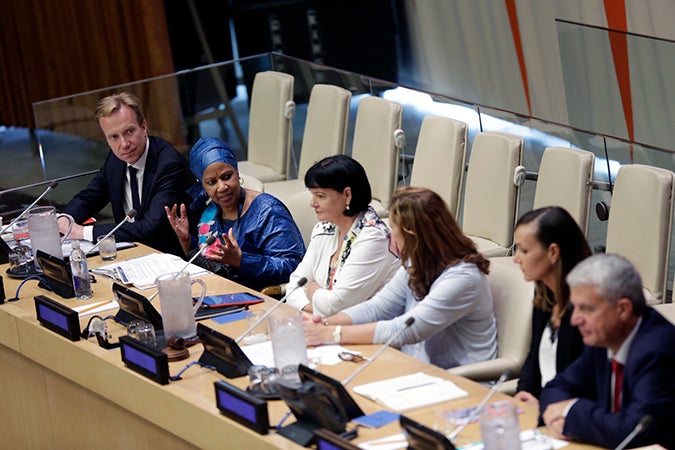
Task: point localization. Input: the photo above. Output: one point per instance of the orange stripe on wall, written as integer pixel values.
(515, 31)
(615, 10)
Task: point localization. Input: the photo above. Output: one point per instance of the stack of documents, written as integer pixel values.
(144, 270)
(410, 391)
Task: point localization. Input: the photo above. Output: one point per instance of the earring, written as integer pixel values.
(347, 207)
(241, 180)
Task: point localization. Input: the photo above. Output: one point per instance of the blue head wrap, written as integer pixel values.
(205, 152)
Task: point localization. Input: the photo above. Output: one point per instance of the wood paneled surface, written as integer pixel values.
(53, 48)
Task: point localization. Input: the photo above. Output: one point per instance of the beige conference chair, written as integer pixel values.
(512, 296)
(440, 156)
(269, 129)
(566, 180)
(377, 141)
(492, 190)
(640, 222)
(324, 135)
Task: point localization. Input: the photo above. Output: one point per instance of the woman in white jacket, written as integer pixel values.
(349, 257)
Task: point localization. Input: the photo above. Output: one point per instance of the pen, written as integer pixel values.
(415, 386)
(94, 306)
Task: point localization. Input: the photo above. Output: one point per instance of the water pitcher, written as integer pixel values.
(175, 300)
(44, 230)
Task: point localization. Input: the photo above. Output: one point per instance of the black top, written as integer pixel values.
(570, 345)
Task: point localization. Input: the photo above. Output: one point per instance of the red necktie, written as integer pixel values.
(617, 370)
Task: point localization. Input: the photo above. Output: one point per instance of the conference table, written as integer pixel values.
(57, 393)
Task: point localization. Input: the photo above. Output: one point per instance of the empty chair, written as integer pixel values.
(491, 192)
(512, 296)
(639, 224)
(440, 157)
(377, 140)
(565, 180)
(269, 129)
(324, 135)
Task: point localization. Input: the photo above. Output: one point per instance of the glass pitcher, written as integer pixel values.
(44, 230)
(175, 301)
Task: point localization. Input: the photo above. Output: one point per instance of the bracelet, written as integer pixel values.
(337, 334)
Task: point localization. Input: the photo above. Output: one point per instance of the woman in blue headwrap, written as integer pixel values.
(258, 242)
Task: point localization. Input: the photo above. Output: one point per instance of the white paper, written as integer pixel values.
(393, 442)
(529, 440)
(326, 355)
(143, 271)
(85, 310)
(410, 391)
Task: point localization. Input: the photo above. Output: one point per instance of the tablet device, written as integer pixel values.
(222, 352)
(421, 437)
(134, 306)
(334, 387)
(225, 300)
(57, 274)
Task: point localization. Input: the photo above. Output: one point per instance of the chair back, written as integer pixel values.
(640, 223)
(378, 123)
(491, 194)
(269, 130)
(326, 125)
(440, 157)
(565, 180)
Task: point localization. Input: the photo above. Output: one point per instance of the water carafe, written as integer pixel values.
(287, 333)
(44, 230)
(175, 300)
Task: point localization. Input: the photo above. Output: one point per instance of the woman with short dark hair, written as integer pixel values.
(348, 258)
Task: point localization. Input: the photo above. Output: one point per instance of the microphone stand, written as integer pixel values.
(16, 219)
(301, 282)
(130, 215)
(408, 322)
(479, 408)
(639, 428)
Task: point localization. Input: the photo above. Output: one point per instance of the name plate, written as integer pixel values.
(242, 407)
(58, 318)
(147, 361)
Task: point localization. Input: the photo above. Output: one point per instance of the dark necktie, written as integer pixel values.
(617, 370)
(135, 199)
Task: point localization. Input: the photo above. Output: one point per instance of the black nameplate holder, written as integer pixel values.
(57, 274)
(421, 437)
(222, 352)
(58, 318)
(145, 360)
(327, 440)
(244, 408)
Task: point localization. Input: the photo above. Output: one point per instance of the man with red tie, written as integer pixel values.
(627, 369)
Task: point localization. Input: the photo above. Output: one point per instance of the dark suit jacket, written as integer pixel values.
(569, 348)
(648, 388)
(165, 180)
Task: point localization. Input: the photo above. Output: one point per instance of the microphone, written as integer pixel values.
(51, 186)
(641, 426)
(130, 215)
(210, 240)
(384, 346)
(301, 282)
(481, 405)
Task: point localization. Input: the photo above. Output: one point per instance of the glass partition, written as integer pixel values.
(214, 101)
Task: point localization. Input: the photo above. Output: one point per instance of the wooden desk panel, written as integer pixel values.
(63, 394)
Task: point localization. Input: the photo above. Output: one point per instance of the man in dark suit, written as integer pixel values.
(626, 371)
(141, 172)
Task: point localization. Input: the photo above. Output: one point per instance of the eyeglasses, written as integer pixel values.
(348, 356)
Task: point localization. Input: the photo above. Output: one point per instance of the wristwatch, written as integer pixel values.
(337, 334)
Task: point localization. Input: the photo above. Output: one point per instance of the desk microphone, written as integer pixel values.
(641, 426)
(384, 346)
(301, 282)
(493, 390)
(130, 215)
(51, 186)
(210, 240)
